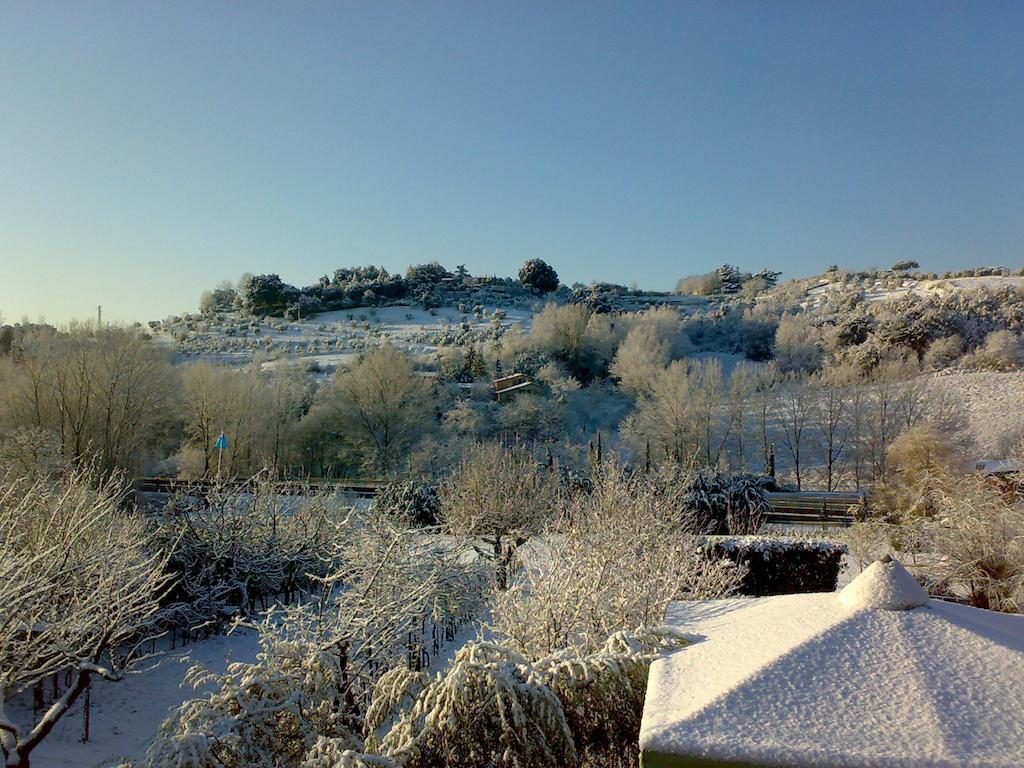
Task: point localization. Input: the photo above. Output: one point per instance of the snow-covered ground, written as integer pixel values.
(995, 407)
(883, 290)
(126, 716)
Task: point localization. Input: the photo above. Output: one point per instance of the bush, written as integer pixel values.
(495, 708)
(722, 504)
(616, 550)
(234, 546)
(537, 274)
(781, 566)
(977, 532)
(414, 503)
(1002, 351)
(395, 600)
(943, 353)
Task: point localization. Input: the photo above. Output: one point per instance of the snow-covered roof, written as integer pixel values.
(886, 585)
(804, 680)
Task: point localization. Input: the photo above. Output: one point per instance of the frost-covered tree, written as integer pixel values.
(108, 393)
(639, 359)
(729, 279)
(80, 591)
(499, 495)
(793, 409)
(664, 416)
(580, 340)
(798, 344)
(266, 294)
(831, 425)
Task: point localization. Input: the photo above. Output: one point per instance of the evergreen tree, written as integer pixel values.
(729, 278)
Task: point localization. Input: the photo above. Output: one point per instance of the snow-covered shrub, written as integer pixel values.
(613, 561)
(395, 598)
(943, 353)
(336, 753)
(417, 504)
(916, 460)
(236, 545)
(776, 565)
(725, 504)
(977, 533)
(869, 540)
(1003, 351)
(490, 709)
(497, 708)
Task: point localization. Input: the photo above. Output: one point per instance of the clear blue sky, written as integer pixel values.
(149, 150)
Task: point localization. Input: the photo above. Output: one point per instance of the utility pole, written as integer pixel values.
(99, 317)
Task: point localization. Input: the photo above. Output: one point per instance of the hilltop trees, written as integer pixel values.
(538, 275)
(266, 294)
(905, 265)
(729, 279)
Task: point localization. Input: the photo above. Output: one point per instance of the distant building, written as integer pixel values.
(509, 386)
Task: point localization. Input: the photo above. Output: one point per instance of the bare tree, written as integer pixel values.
(375, 410)
(832, 430)
(108, 394)
(665, 416)
(793, 409)
(763, 401)
(743, 387)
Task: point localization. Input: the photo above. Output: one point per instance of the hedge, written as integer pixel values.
(778, 565)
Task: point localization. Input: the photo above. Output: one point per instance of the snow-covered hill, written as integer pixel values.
(333, 338)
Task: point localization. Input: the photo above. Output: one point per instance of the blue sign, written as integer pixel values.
(222, 442)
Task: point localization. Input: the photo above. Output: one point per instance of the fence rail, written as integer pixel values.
(362, 488)
(810, 507)
(801, 507)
